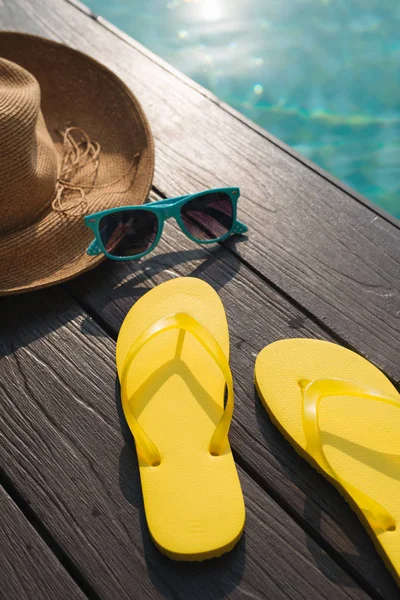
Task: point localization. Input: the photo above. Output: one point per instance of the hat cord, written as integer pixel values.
(78, 155)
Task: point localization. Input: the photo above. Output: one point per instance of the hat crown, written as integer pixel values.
(28, 158)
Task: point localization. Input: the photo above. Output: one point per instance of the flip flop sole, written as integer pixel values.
(193, 500)
(360, 437)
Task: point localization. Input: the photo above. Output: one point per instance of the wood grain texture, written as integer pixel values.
(28, 568)
(332, 255)
(257, 315)
(67, 450)
(314, 243)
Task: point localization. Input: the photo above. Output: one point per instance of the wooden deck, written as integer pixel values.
(319, 262)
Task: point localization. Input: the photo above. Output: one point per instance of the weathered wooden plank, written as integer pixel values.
(257, 315)
(171, 183)
(28, 568)
(331, 254)
(68, 452)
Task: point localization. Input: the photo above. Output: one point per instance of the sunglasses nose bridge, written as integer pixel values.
(168, 212)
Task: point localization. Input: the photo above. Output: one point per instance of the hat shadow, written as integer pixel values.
(25, 318)
(211, 579)
(103, 295)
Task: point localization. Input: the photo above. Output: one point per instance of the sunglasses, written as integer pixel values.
(130, 232)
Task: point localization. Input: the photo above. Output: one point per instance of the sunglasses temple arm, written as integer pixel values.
(239, 228)
(94, 249)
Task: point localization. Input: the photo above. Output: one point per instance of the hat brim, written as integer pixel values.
(76, 91)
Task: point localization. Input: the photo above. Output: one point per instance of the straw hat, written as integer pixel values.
(73, 140)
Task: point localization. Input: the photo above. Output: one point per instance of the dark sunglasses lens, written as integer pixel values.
(208, 217)
(128, 232)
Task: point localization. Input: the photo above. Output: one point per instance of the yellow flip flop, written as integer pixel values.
(172, 362)
(342, 415)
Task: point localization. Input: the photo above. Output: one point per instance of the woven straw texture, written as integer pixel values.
(45, 89)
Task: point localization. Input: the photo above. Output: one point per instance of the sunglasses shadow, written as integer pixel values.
(111, 289)
(217, 267)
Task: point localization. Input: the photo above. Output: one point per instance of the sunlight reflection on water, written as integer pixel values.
(322, 75)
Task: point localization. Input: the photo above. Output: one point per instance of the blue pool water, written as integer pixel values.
(322, 75)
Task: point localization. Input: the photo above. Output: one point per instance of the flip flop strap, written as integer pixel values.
(313, 392)
(187, 323)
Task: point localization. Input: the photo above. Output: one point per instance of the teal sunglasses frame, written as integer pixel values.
(164, 210)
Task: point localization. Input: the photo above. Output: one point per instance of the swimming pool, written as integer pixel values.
(321, 75)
